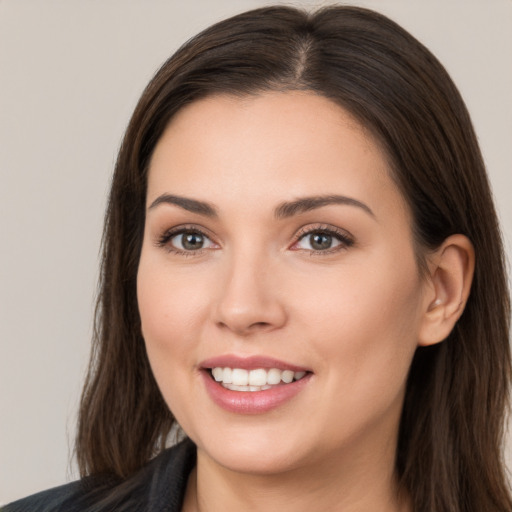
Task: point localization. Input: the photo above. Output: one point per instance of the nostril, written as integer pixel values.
(245, 328)
(259, 325)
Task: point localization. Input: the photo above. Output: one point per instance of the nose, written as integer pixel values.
(249, 299)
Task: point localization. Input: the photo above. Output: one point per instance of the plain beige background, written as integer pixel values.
(70, 74)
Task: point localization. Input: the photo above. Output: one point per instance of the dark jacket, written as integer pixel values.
(157, 487)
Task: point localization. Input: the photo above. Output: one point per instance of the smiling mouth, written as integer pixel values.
(259, 379)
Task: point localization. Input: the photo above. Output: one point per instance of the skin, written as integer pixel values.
(353, 314)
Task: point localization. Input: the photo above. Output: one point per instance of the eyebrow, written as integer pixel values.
(304, 204)
(192, 205)
(284, 210)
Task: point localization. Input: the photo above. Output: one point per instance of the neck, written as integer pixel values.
(366, 482)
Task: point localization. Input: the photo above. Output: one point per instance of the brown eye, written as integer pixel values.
(190, 241)
(320, 241)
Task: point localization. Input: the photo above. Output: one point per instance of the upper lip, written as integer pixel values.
(250, 363)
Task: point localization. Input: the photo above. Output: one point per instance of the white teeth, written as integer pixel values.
(217, 374)
(287, 376)
(226, 376)
(233, 387)
(273, 376)
(258, 377)
(239, 379)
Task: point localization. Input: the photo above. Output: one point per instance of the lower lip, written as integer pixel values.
(252, 402)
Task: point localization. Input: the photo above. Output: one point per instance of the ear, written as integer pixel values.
(451, 269)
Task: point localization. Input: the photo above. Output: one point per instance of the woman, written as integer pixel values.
(302, 262)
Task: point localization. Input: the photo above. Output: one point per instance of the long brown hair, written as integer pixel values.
(449, 454)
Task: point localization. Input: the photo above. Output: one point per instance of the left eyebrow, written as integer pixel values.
(192, 205)
(304, 204)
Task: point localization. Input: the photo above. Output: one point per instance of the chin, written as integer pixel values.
(254, 462)
(261, 452)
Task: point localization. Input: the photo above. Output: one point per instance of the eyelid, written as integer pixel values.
(165, 237)
(344, 237)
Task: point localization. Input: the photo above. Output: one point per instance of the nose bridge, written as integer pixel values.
(248, 296)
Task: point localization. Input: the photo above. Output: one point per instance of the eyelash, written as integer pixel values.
(166, 237)
(344, 239)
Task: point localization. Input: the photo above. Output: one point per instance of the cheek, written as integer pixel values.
(365, 332)
(169, 312)
(362, 298)
(366, 324)
(169, 305)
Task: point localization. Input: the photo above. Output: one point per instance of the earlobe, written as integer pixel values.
(451, 273)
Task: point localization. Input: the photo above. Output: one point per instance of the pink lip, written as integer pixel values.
(249, 363)
(251, 402)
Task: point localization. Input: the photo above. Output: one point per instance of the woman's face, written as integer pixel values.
(277, 246)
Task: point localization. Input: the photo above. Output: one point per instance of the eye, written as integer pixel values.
(318, 241)
(186, 241)
(189, 241)
(322, 240)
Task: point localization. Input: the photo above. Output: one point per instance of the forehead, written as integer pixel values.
(257, 148)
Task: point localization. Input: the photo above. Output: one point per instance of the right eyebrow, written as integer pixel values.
(191, 205)
(304, 204)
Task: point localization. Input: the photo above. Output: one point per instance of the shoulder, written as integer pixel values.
(158, 486)
(59, 498)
